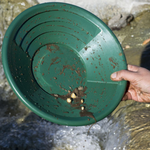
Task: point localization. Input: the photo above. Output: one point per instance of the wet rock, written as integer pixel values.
(31, 117)
(119, 21)
(12, 108)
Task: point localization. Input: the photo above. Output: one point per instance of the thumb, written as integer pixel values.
(123, 75)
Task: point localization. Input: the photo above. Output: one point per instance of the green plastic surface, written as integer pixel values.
(53, 48)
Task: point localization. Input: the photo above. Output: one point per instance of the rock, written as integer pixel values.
(127, 47)
(119, 21)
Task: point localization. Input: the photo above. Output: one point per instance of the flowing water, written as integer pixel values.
(128, 127)
(39, 134)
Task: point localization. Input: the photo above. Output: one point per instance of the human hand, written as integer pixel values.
(139, 83)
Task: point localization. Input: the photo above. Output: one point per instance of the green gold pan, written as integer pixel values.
(58, 59)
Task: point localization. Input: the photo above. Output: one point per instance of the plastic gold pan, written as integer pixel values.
(58, 59)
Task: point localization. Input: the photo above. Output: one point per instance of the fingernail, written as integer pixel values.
(114, 75)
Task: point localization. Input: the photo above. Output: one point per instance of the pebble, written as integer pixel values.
(127, 47)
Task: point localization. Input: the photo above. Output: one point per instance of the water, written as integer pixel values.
(35, 133)
(126, 129)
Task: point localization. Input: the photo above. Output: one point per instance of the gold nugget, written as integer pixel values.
(73, 95)
(69, 100)
(82, 108)
(82, 100)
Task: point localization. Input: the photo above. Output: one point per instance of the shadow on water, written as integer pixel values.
(145, 57)
(27, 135)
